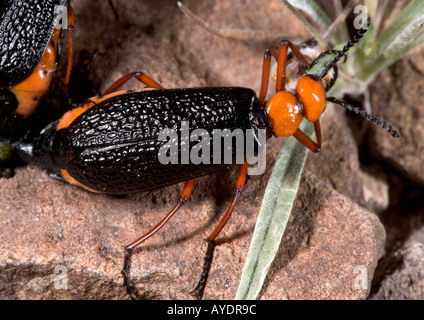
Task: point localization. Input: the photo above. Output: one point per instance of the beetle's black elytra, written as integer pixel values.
(113, 147)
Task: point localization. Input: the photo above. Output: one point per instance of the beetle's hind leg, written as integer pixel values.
(200, 288)
(185, 194)
(308, 142)
(140, 76)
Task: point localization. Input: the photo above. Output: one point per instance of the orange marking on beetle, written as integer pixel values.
(65, 175)
(29, 91)
(71, 115)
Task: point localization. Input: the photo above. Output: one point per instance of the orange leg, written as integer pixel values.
(281, 67)
(140, 76)
(317, 126)
(282, 62)
(200, 288)
(265, 76)
(266, 70)
(306, 141)
(185, 194)
(71, 25)
(281, 56)
(297, 53)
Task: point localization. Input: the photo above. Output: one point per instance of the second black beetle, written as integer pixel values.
(30, 35)
(29, 40)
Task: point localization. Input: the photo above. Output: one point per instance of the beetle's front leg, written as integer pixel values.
(200, 288)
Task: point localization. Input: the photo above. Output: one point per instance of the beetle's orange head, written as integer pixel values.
(311, 93)
(286, 110)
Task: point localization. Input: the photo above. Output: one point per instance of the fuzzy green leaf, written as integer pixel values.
(402, 32)
(402, 35)
(307, 6)
(273, 216)
(313, 10)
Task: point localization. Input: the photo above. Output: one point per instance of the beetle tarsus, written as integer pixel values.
(201, 285)
(126, 273)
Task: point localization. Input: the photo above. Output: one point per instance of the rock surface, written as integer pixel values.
(395, 99)
(329, 250)
(48, 226)
(395, 96)
(407, 281)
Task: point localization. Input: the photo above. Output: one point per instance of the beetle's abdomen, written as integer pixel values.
(113, 147)
(25, 31)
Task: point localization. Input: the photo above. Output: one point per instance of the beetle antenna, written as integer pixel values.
(334, 66)
(369, 117)
(346, 48)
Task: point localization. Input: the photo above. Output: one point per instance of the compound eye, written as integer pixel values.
(311, 93)
(284, 113)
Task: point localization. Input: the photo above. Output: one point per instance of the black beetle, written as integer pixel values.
(111, 144)
(29, 43)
